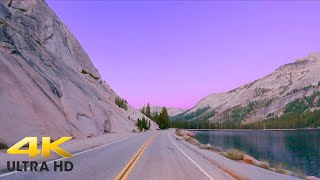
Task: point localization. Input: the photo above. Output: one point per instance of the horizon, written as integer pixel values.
(158, 58)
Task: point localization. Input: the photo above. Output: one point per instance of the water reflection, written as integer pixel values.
(294, 149)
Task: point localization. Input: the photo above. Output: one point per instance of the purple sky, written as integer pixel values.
(175, 53)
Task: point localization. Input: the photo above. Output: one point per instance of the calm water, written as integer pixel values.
(298, 149)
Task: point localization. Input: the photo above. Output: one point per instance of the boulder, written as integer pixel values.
(190, 133)
(263, 165)
(249, 159)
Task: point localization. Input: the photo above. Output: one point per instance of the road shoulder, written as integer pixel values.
(236, 169)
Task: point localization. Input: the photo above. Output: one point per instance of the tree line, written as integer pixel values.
(294, 120)
(296, 115)
(162, 118)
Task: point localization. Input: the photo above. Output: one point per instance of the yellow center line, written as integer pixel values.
(124, 173)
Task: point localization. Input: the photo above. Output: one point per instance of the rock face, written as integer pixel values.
(264, 97)
(48, 85)
(171, 111)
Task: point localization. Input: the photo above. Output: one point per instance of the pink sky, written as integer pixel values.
(176, 53)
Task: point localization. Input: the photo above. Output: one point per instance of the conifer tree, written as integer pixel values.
(143, 124)
(164, 121)
(148, 111)
(143, 110)
(156, 117)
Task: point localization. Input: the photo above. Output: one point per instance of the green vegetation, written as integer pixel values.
(296, 106)
(235, 154)
(296, 115)
(288, 121)
(191, 124)
(162, 118)
(3, 146)
(206, 116)
(190, 116)
(200, 118)
(306, 88)
(148, 111)
(91, 75)
(279, 168)
(143, 110)
(143, 124)
(311, 99)
(302, 104)
(155, 117)
(122, 103)
(294, 120)
(239, 113)
(84, 71)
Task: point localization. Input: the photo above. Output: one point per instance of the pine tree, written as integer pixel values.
(156, 117)
(121, 103)
(143, 110)
(139, 125)
(143, 124)
(148, 111)
(164, 121)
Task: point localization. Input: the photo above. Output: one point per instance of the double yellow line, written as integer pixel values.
(123, 175)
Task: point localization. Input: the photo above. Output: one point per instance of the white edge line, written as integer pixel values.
(74, 155)
(204, 172)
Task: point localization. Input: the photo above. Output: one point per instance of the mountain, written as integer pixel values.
(171, 111)
(48, 85)
(291, 88)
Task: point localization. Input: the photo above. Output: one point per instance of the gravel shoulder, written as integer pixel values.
(237, 169)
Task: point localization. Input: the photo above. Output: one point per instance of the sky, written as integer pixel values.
(174, 53)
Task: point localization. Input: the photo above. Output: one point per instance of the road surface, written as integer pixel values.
(151, 155)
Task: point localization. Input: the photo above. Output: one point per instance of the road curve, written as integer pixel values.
(163, 158)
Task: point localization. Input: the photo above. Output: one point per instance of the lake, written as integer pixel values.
(295, 150)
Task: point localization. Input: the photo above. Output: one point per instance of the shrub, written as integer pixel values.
(94, 77)
(3, 146)
(280, 169)
(235, 154)
(91, 75)
(84, 71)
(143, 124)
(122, 103)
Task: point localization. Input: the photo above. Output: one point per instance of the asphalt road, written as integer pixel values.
(149, 155)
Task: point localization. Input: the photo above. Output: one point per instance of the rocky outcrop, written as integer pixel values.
(43, 87)
(264, 97)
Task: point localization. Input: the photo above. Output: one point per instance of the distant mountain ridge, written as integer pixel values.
(288, 87)
(171, 110)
